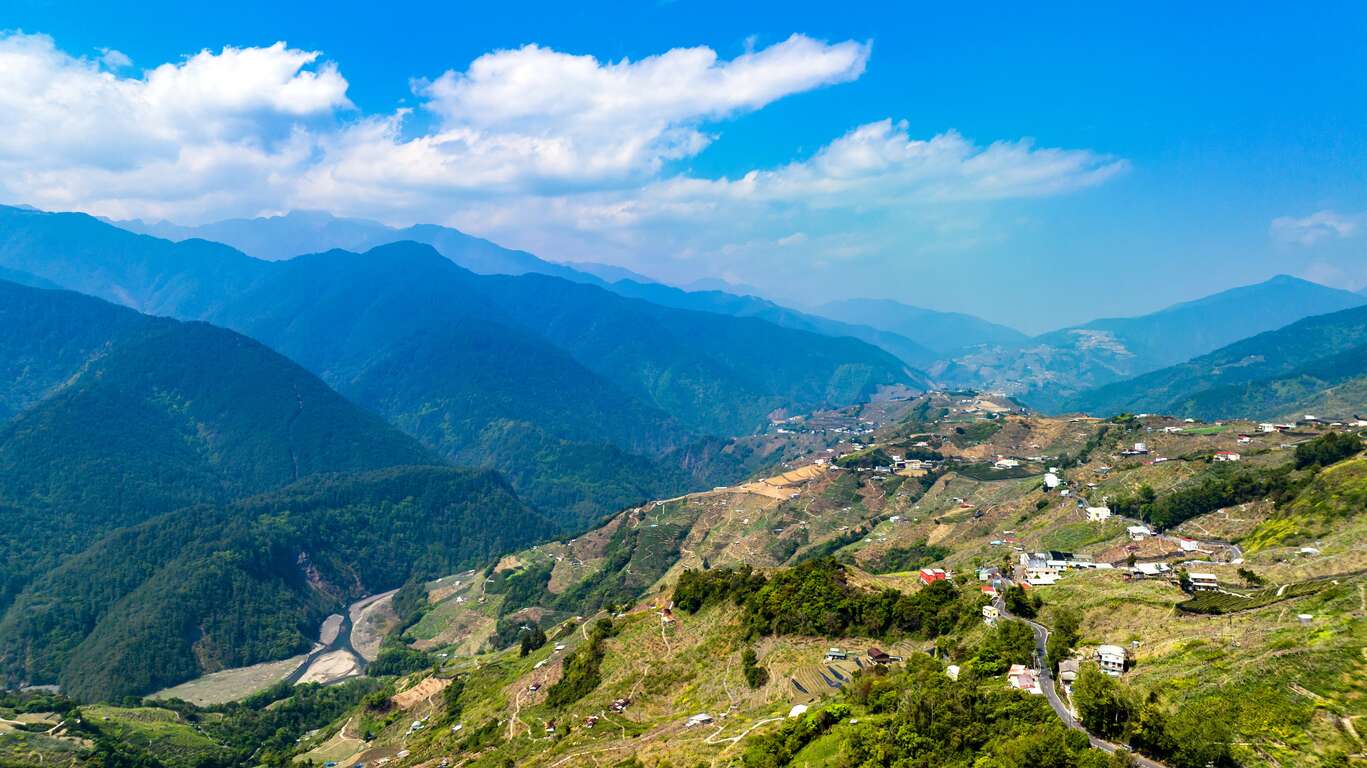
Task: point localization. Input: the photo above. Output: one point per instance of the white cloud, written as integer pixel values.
(564, 154)
(114, 59)
(1321, 225)
(181, 139)
(880, 164)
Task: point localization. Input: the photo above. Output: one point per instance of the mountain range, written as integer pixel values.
(1299, 368)
(1047, 370)
(588, 400)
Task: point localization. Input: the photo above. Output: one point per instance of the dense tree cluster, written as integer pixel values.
(1197, 734)
(1217, 488)
(815, 598)
(1327, 449)
(919, 717)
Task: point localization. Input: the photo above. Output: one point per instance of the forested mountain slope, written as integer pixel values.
(217, 586)
(127, 416)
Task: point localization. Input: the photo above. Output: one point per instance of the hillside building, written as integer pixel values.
(1111, 659)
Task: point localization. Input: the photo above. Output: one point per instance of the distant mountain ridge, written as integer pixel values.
(1051, 368)
(520, 373)
(948, 333)
(911, 352)
(278, 238)
(1261, 376)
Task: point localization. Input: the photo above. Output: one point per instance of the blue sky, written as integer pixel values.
(1144, 158)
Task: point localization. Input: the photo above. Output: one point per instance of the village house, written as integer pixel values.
(1098, 514)
(990, 614)
(1067, 671)
(1022, 678)
(1005, 463)
(1227, 456)
(1038, 570)
(931, 575)
(1052, 481)
(1138, 532)
(1150, 570)
(878, 656)
(702, 718)
(1204, 582)
(1111, 658)
(1266, 428)
(836, 654)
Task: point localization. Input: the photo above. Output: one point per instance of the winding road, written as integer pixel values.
(1046, 676)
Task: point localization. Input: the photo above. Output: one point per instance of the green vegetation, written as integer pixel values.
(865, 459)
(582, 668)
(755, 675)
(1021, 602)
(1196, 735)
(919, 717)
(1216, 488)
(977, 432)
(208, 567)
(777, 749)
(907, 558)
(1232, 601)
(1327, 449)
(814, 598)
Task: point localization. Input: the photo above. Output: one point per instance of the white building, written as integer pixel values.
(1203, 582)
(1111, 658)
(1039, 570)
(1150, 570)
(1227, 456)
(1052, 481)
(1005, 463)
(1098, 514)
(1138, 532)
(1265, 428)
(990, 614)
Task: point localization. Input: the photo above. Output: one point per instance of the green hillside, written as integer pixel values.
(145, 415)
(234, 585)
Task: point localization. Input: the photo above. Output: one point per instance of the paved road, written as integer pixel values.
(1055, 701)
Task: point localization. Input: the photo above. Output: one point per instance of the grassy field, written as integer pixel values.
(162, 733)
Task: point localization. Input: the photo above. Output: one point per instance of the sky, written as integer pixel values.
(1037, 165)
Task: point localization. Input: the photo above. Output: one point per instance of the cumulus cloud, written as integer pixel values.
(1320, 225)
(562, 153)
(576, 116)
(181, 138)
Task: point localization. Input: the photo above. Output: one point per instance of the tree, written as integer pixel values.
(1021, 603)
(1200, 733)
(1327, 449)
(1010, 642)
(755, 675)
(1103, 705)
(532, 638)
(1067, 624)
